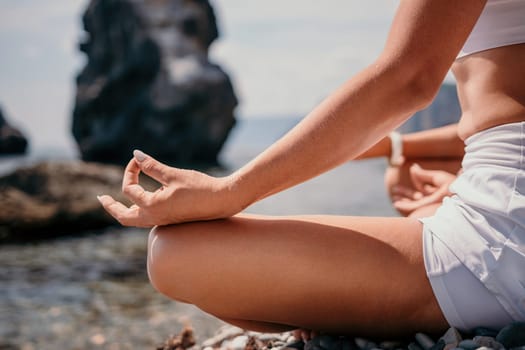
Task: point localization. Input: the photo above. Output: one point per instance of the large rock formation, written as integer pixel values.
(148, 83)
(12, 141)
(57, 198)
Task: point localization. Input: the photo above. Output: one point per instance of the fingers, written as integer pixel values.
(407, 205)
(131, 187)
(126, 216)
(151, 167)
(399, 192)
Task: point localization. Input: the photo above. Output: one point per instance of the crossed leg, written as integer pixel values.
(329, 273)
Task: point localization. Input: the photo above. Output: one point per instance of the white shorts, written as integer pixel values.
(474, 245)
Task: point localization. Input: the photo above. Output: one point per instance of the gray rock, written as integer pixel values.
(347, 344)
(486, 332)
(364, 344)
(55, 198)
(451, 336)
(297, 345)
(424, 340)
(468, 344)
(390, 345)
(312, 345)
(488, 342)
(439, 345)
(148, 83)
(512, 335)
(12, 141)
(414, 346)
(239, 342)
(327, 342)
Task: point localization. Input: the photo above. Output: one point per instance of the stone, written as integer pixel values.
(414, 346)
(390, 345)
(312, 345)
(148, 83)
(347, 344)
(50, 199)
(486, 332)
(468, 344)
(488, 342)
(295, 344)
(327, 342)
(452, 336)
(239, 342)
(12, 141)
(512, 335)
(364, 344)
(424, 340)
(439, 345)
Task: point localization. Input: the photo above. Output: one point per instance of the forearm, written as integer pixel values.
(336, 131)
(442, 142)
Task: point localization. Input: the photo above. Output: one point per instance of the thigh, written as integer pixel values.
(328, 273)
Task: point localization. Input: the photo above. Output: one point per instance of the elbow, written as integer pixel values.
(416, 82)
(422, 87)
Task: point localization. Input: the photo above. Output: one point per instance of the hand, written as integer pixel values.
(430, 187)
(184, 195)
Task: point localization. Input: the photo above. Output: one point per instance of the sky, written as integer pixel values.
(283, 57)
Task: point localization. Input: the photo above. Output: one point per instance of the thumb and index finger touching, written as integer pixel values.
(131, 187)
(422, 178)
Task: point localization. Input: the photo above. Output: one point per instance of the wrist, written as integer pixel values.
(238, 197)
(396, 149)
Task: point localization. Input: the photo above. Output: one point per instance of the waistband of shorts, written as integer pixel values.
(502, 146)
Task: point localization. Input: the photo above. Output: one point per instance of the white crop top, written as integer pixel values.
(501, 23)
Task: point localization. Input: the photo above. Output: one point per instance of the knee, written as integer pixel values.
(164, 265)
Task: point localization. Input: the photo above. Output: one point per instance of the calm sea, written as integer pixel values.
(355, 188)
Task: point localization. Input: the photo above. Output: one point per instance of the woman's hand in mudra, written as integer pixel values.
(184, 195)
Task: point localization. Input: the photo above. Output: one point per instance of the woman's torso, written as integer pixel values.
(491, 88)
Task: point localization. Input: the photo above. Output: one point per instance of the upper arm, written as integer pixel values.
(426, 36)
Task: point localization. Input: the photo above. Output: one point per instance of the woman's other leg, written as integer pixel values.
(328, 273)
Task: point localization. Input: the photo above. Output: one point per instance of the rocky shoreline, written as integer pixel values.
(511, 337)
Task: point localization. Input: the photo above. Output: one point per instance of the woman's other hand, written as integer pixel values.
(184, 195)
(431, 186)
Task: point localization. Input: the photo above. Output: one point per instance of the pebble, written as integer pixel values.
(390, 345)
(327, 342)
(413, 346)
(295, 344)
(513, 335)
(365, 344)
(440, 345)
(451, 340)
(452, 336)
(488, 342)
(425, 341)
(486, 332)
(239, 342)
(468, 344)
(450, 346)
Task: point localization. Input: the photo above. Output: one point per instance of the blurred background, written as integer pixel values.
(155, 75)
(282, 58)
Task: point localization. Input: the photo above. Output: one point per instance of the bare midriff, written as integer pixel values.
(491, 88)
